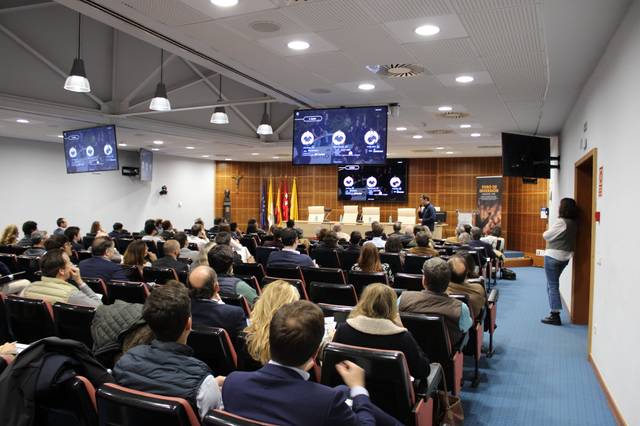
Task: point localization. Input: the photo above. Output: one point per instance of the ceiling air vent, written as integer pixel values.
(439, 132)
(264, 26)
(489, 146)
(452, 114)
(396, 70)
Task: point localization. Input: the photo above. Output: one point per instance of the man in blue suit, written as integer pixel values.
(280, 392)
(427, 212)
(100, 264)
(289, 257)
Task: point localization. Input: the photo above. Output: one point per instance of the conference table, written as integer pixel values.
(310, 228)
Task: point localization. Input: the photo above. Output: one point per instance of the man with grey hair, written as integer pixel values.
(38, 238)
(435, 300)
(455, 239)
(476, 242)
(337, 228)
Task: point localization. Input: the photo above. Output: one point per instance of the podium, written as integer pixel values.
(350, 215)
(407, 216)
(316, 214)
(370, 214)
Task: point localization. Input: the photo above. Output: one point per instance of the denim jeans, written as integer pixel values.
(553, 268)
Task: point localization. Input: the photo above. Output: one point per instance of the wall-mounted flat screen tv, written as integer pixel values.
(526, 156)
(94, 149)
(374, 183)
(354, 135)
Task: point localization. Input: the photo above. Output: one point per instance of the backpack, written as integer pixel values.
(507, 274)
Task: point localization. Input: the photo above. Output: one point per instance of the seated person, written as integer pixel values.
(476, 242)
(185, 252)
(8, 283)
(166, 366)
(423, 246)
(355, 241)
(292, 224)
(329, 242)
(73, 235)
(235, 232)
(377, 234)
(137, 256)
(337, 228)
(62, 225)
(369, 261)
(171, 250)
(151, 232)
(168, 233)
(118, 231)
(59, 241)
(216, 225)
(464, 238)
(99, 264)
(292, 399)
(208, 309)
(198, 235)
(276, 232)
(56, 270)
(289, 257)
(9, 236)
(458, 285)
(242, 255)
(375, 323)
(417, 229)
(38, 238)
(221, 258)
(253, 228)
(434, 299)
(28, 228)
(495, 238)
(394, 245)
(454, 239)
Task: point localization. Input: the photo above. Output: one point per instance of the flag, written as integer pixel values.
(271, 219)
(293, 211)
(263, 206)
(285, 202)
(278, 205)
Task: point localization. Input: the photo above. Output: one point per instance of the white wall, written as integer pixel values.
(35, 186)
(610, 104)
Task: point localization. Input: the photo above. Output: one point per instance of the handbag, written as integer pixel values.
(450, 406)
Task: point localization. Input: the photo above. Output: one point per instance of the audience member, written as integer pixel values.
(470, 263)
(96, 229)
(289, 257)
(274, 296)
(235, 233)
(242, 254)
(216, 225)
(59, 242)
(185, 252)
(151, 232)
(10, 235)
(171, 250)
(394, 244)
(458, 285)
(455, 238)
(292, 399)
(369, 261)
(292, 224)
(464, 238)
(168, 233)
(202, 259)
(56, 270)
(377, 232)
(62, 225)
(27, 229)
(276, 232)
(375, 323)
(118, 231)
(337, 228)
(397, 229)
(253, 228)
(208, 309)
(467, 228)
(476, 234)
(166, 366)
(329, 242)
(221, 260)
(138, 255)
(38, 238)
(198, 235)
(355, 241)
(99, 265)
(422, 246)
(8, 282)
(73, 235)
(416, 230)
(435, 300)
(495, 239)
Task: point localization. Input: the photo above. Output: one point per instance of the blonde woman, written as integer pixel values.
(274, 296)
(10, 235)
(375, 323)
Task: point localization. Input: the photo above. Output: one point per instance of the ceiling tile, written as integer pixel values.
(385, 10)
(451, 48)
(480, 77)
(215, 12)
(352, 86)
(170, 12)
(466, 6)
(334, 66)
(404, 30)
(328, 14)
(279, 44)
(242, 24)
(443, 65)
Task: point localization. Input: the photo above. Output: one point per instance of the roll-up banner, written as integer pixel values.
(489, 203)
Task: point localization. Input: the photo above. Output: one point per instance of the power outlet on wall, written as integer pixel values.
(539, 252)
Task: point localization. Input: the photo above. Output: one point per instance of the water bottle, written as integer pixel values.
(340, 218)
(390, 218)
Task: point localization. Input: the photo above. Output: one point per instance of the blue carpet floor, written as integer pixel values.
(539, 374)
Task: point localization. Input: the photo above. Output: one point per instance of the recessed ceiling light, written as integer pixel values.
(155, 149)
(366, 86)
(224, 3)
(440, 147)
(275, 157)
(427, 30)
(449, 152)
(401, 129)
(227, 159)
(445, 108)
(158, 142)
(204, 156)
(122, 144)
(475, 135)
(189, 147)
(465, 126)
(22, 121)
(464, 79)
(298, 45)
(59, 136)
(417, 136)
(255, 153)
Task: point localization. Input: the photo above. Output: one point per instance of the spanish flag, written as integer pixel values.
(278, 206)
(293, 210)
(271, 220)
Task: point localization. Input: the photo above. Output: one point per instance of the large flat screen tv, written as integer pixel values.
(146, 165)
(374, 183)
(526, 156)
(91, 150)
(355, 135)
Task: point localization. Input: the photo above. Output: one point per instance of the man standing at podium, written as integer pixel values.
(427, 212)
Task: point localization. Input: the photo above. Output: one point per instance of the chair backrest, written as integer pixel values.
(350, 214)
(74, 322)
(98, 286)
(11, 260)
(361, 279)
(348, 259)
(223, 418)
(213, 346)
(118, 405)
(252, 281)
(294, 273)
(298, 284)
(87, 240)
(330, 310)
(152, 274)
(5, 333)
(128, 291)
(262, 254)
(12, 249)
(326, 258)
(413, 263)
(30, 265)
(316, 214)
(237, 300)
(30, 319)
(123, 243)
(386, 374)
(325, 275)
(250, 269)
(72, 403)
(393, 260)
(250, 243)
(370, 214)
(151, 246)
(335, 294)
(408, 281)
(430, 331)
(407, 216)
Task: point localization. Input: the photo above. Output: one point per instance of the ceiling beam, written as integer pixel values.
(284, 124)
(146, 81)
(216, 91)
(26, 46)
(230, 104)
(174, 89)
(27, 7)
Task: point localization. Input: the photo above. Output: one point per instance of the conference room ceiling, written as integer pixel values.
(529, 60)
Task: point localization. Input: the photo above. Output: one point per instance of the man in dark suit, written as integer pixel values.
(476, 242)
(428, 212)
(289, 257)
(100, 265)
(295, 334)
(171, 250)
(208, 309)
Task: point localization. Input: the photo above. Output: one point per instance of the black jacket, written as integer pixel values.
(170, 262)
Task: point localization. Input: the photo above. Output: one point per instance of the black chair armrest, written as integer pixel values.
(429, 386)
(493, 296)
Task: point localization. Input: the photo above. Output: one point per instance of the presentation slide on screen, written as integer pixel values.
(373, 183)
(340, 136)
(91, 150)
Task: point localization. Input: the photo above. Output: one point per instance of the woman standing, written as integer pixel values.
(560, 238)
